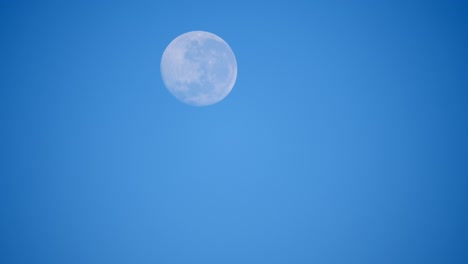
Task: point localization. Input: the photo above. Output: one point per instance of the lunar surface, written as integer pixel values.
(199, 68)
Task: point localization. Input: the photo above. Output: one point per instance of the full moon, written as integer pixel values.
(199, 68)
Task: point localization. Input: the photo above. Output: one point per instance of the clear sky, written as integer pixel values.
(344, 139)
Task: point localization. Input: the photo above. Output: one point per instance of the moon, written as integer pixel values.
(199, 68)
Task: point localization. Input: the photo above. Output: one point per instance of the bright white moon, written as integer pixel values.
(199, 68)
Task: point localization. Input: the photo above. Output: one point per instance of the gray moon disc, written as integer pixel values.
(199, 68)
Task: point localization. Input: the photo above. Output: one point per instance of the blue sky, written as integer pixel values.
(344, 139)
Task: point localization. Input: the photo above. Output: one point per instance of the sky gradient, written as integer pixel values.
(344, 139)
